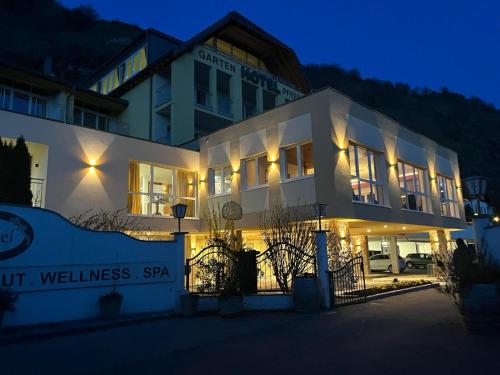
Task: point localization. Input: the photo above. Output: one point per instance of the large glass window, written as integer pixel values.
(154, 189)
(255, 171)
(365, 184)
(448, 196)
(413, 185)
(297, 161)
(219, 180)
(23, 101)
(90, 118)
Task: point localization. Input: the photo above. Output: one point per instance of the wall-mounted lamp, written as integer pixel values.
(234, 172)
(92, 164)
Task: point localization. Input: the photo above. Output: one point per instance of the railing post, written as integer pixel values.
(322, 267)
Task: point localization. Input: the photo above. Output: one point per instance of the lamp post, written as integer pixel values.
(179, 212)
(320, 211)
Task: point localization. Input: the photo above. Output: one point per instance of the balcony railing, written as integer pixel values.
(118, 127)
(163, 94)
(36, 187)
(202, 96)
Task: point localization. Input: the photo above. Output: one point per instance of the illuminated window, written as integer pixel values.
(297, 161)
(448, 196)
(223, 46)
(413, 185)
(219, 180)
(153, 189)
(365, 185)
(254, 171)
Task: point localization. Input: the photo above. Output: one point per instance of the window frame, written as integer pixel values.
(373, 159)
(98, 117)
(424, 193)
(244, 173)
(211, 180)
(446, 200)
(298, 153)
(175, 197)
(8, 100)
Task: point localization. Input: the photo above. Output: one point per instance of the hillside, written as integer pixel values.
(78, 42)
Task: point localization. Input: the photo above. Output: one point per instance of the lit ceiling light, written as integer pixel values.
(404, 228)
(385, 226)
(368, 230)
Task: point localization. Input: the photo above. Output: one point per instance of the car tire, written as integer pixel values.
(409, 265)
(389, 268)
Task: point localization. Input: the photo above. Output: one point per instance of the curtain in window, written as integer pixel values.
(134, 200)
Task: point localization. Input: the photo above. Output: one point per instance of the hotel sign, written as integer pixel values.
(260, 79)
(217, 60)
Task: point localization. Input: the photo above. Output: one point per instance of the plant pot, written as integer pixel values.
(479, 305)
(110, 306)
(189, 304)
(306, 294)
(230, 306)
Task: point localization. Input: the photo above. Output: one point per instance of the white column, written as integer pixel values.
(179, 289)
(322, 268)
(213, 89)
(394, 255)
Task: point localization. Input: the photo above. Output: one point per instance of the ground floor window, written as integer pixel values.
(448, 196)
(153, 189)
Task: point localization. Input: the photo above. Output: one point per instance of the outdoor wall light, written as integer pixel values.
(320, 211)
(496, 219)
(179, 212)
(368, 230)
(385, 226)
(404, 228)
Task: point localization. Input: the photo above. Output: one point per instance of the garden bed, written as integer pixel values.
(388, 288)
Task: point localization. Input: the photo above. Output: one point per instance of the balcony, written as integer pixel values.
(163, 94)
(36, 187)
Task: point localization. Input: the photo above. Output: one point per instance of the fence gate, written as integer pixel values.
(347, 284)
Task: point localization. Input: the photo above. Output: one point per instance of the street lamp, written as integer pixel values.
(320, 211)
(179, 212)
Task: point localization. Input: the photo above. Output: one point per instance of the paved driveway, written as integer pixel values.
(408, 334)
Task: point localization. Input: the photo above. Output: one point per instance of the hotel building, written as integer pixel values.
(226, 115)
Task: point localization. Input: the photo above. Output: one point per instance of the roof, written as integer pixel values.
(136, 43)
(50, 83)
(280, 59)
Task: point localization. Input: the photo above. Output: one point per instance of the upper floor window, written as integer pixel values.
(254, 171)
(365, 184)
(153, 189)
(448, 196)
(90, 118)
(297, 161)
(413, 185)
(237, 53)
(23, 102)
(219, 180)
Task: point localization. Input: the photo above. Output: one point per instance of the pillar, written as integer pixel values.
(393, 246)
(179, 270)
(322, 268)
(361, 248)
(213, 89)
(439, 244)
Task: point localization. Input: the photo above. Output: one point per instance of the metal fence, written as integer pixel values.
(347, 284)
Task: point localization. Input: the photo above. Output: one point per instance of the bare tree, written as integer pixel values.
(289, 235)
(338, 240)
(113, 221)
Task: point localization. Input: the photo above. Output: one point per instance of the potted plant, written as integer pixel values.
(7, 302)
(473, 280)
(110, 305)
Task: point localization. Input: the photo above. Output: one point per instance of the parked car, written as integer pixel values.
(418, 260)
(382, 262)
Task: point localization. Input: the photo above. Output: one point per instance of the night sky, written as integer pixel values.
(431, 43)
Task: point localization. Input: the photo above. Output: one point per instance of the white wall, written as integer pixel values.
(68, 254)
